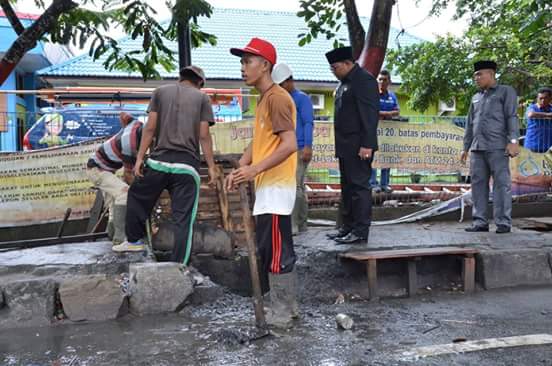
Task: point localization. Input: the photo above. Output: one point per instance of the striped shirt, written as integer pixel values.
(120, 150)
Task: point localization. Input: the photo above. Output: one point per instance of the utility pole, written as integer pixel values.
(184, 45)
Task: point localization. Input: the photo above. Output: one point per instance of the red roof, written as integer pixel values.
(22, 15)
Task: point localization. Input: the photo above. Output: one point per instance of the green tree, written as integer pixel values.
(515, 33)
(67, 21)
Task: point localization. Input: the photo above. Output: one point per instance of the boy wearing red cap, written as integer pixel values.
(270, 160)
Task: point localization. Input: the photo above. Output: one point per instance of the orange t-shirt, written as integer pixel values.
(275, 187)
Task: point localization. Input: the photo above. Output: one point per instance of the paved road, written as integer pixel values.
(210, 334)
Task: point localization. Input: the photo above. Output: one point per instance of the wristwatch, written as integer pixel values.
(513, 141)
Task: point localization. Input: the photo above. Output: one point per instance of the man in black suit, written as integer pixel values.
(355, 123)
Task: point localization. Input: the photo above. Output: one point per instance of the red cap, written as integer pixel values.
(258, 47)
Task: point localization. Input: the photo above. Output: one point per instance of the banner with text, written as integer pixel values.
(38, 186)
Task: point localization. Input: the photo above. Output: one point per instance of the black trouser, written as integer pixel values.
(144, 193)
(275, 243)
(356, 194)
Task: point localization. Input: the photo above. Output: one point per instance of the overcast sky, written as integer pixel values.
(405, 13)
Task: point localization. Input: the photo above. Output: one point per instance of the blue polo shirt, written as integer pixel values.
(305, 118)
(538, 137)
(388, 102)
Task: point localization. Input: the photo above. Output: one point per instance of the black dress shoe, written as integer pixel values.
(351, 238)
(503, 229)
(477, 229)
(338, 234)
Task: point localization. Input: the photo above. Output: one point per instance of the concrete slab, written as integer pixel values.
(515, 267)
(30, 280)
(92, 298)
(417, 235)
(85, 258)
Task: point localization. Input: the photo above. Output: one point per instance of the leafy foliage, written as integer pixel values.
(84, 27)
(517, 34)
(434, 71)
(323, 18)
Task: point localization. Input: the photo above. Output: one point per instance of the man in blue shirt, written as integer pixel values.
(389, 108)
(282, 74)
(538, 137)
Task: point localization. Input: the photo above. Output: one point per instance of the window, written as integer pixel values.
(317, 101)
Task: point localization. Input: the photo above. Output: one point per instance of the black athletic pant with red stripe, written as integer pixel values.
(275, 243)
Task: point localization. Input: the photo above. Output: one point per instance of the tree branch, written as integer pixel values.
(536, 62)
(12, 17)
(375, 46)
(356, 30)
(28, 39)
(520, 71)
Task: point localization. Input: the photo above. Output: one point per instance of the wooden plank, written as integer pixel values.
(468, 271)
(372, 269)
(417, 353)
(252, 256)
(95, 212)
(63, 222)
(405, 253)
(412, 278)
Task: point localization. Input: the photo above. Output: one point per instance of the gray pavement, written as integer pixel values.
(422, 234)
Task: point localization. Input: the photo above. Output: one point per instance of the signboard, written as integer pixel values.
(531, 172)
(37, 187)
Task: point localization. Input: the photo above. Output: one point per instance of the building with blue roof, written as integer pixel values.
(233, 28)
(16, 108)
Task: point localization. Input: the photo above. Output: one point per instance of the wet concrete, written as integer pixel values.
(210, 334)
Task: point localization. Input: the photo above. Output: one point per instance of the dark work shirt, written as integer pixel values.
(492, 119)
(356, 113)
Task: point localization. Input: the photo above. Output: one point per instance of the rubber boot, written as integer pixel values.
(282, 296)
(293, 294)
(110, 229)
(294, 304)
(119, 219)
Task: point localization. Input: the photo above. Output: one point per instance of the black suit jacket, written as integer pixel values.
(356, 113)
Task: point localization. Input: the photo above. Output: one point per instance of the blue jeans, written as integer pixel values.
(385, 175)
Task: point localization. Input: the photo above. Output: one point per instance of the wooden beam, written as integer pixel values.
(227, 223)
(412, 277)
(372, 269)
(468, 271)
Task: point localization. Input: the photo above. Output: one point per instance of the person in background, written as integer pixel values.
(538, 137)
(355, 124)
(117, 152)
(282, 75)
(389, 108)
(270, 160)
(491, 138)
(179, 117)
